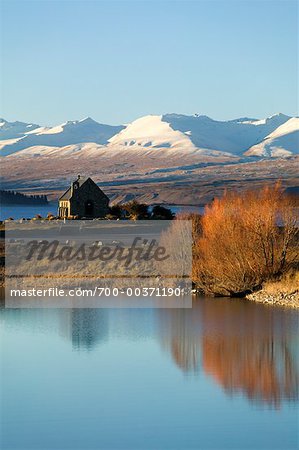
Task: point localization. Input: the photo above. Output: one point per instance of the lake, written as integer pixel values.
(222, 375)
(29, 211)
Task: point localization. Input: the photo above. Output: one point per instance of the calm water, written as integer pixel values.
(27, 212)
(21, 211)
(222, 375)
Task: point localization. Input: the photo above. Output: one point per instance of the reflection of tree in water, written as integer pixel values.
(244, 347)
(248, 348)
(261, 368)
(87, 327)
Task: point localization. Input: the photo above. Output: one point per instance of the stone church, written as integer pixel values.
(83, 199)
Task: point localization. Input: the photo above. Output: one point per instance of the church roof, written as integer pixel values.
(68, 193)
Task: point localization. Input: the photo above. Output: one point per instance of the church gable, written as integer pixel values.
(88, 186)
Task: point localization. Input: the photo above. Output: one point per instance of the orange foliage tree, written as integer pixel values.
(246, 239)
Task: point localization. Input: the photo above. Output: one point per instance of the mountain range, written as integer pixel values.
(276, 136)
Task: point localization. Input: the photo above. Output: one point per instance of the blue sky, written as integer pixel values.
(118, 60)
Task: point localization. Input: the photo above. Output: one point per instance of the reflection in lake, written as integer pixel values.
(85, 327)
(244, 347)
(141, 370)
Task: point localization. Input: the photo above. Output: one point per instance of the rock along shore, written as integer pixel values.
(290, 300)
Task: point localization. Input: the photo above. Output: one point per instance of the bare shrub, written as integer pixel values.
(247, 238)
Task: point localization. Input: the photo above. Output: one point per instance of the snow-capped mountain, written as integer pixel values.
(233, 136)
(72, 132)
(283, 141)
(276, 136)
(151, 131)
(14, 130)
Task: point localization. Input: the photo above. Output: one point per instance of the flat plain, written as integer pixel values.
(152, 177)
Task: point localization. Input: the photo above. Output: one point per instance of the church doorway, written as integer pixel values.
(89, 209)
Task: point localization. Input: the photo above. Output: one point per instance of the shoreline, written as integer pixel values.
(289, 300)
(279, 298)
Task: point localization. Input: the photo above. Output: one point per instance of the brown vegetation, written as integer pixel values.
(242, 241)
(289, 284)
(246, 239)
(282, 292)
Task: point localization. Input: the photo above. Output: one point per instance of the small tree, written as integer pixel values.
(115, 212)
(135, 210)
(161, 213)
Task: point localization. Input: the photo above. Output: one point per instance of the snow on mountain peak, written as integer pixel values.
(67, 133)
(276, 135)
(279, 114)
(54, 130)
(151, 131)
(283, 141)
(14, 130)
(87, 120)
